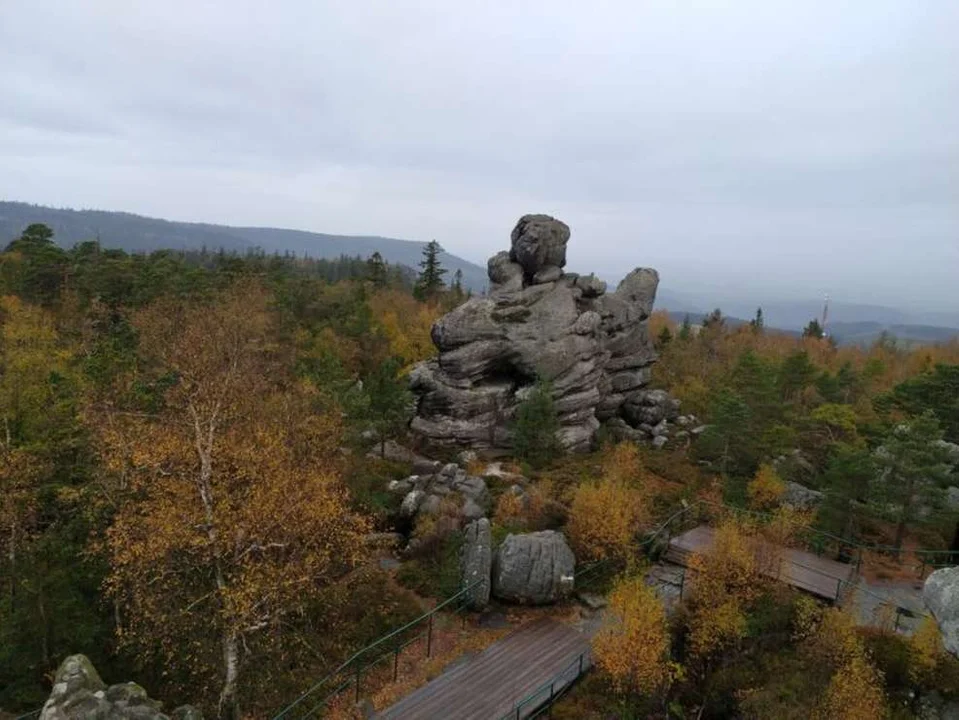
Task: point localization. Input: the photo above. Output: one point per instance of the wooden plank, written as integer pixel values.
(489, 686)
(811, 573)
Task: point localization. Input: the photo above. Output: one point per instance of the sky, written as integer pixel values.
(749, 147)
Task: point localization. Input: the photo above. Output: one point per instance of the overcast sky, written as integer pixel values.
(777, 148)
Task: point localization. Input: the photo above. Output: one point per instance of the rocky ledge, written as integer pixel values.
(538, 322)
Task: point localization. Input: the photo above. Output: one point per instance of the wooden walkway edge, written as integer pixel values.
(489, 686)
(816, 575)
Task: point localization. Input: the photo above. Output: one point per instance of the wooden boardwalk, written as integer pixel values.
(817, 575)
(489, 686)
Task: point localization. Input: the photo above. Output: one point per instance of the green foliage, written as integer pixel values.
(728, 440)
(814, 330)
(430, 283)
(936, 391)
(913, 467)
(536, 425)
(389, 400)
(435, 571)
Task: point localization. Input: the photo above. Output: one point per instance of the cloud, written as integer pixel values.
(778, 146)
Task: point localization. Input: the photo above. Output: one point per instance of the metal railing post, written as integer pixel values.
(429, 638)
(682, 586)
(396, 662)
(550, 709)
(359, 669)
(580, 665)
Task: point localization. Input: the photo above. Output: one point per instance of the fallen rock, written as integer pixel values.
(534, 568)
(427, 493)
(941, 595)
(477, 562)
(394, 452)
(800, 497)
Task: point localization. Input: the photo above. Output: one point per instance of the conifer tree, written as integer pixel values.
(758, 324)
(376, 269)
(430, 281)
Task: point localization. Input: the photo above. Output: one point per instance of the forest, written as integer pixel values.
(192, 468)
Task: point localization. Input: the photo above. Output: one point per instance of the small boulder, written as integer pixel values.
(659, 442)
(539, 241)
(534, 568)
(800, 497)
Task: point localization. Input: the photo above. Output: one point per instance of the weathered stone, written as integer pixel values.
(477, 562)
(411, 503)
(536, 568)
(79, 694)
(592, 346)
(659, 442)
(800, 497)
(539, 241)
(941, 595)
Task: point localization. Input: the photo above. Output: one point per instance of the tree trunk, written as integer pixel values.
(229, 705)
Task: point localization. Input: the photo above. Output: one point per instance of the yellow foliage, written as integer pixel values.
(623, 464)
(854, 693)
(727, 578)
(406, 324)
(766, 489)
(604, 519)
(632, 647)
(925, 651)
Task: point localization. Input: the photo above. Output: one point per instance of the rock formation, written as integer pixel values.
(425, 494)
(535, 568)
(79, 694)
(592, 346)
(477, 562)
(941, 595)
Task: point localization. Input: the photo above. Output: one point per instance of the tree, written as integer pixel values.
(430, 283)
(536, 426)
(686, 329)
(766, 489)
(795, 375)
(814, 330)
(665, 337)
(758, 324)
(728, 436)
(936, 390)
(913, 463)
(32, 266)
(714, 319)
(849, 472)
(604, 518)
(390, 401)
(376, 269)
(727, 579)
(632, 647)
(235, 517)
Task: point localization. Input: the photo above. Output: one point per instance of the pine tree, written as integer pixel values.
(665, 337)
(376, 269)
(714, 319)
(758, 324)
(686, 329)
(430, 281)
(814, 330)
(536, 425)
(914, 462)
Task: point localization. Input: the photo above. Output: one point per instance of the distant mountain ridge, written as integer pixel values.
(136, 233)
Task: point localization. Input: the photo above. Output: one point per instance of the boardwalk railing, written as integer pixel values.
(542, 699)
(350, 674)
(32, 715)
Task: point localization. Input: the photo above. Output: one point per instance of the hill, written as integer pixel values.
(135, 233)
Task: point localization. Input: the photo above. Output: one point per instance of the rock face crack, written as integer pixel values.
(593, 346)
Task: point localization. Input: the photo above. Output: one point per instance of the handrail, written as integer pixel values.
(580, 662)
(311, 692)
(919, 552)
(32, 715)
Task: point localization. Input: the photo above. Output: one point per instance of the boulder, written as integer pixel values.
(79, 694)
(941, 595)
(800, 497)
(477, 562)
(592, 346)
(425, 493)
(538, 242)
(534, 568)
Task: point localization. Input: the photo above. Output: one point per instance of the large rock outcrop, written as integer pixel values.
(593, 346)
(941, 595)
(535, 568)
(79, 694)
